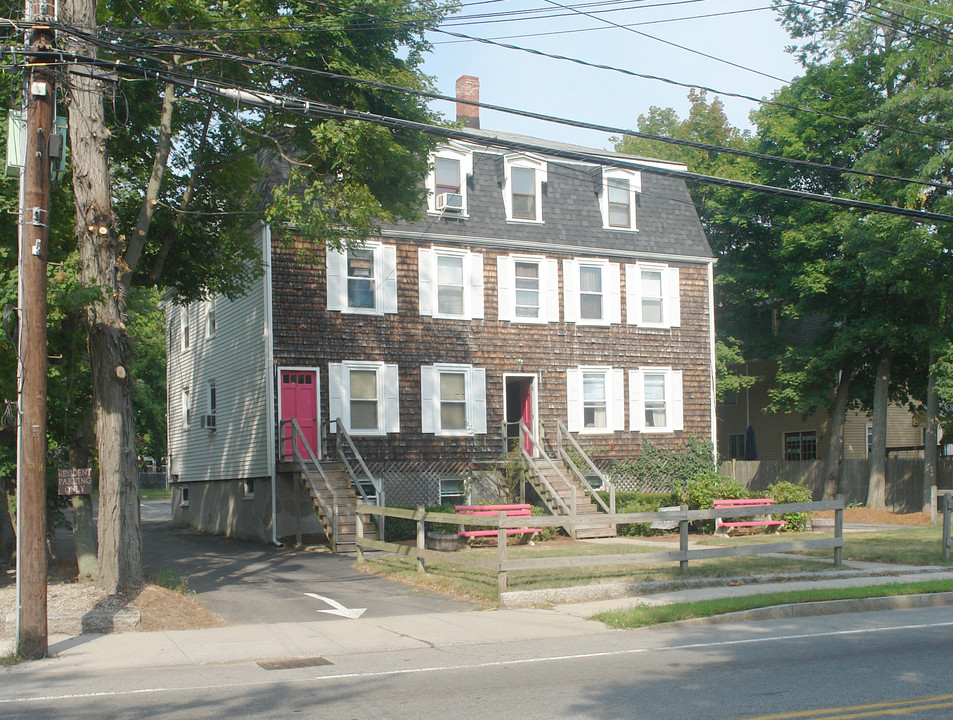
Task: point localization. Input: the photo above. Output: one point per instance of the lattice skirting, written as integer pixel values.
(413, 483)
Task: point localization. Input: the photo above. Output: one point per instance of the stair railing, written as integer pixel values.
(563, 433)
(533, 464)
(296, 440)
(342, 440)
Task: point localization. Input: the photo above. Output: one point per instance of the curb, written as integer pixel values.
(824, 607)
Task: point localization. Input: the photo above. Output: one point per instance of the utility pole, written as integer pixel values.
(39, 101)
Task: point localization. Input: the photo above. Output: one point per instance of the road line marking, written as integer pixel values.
(848, 712)
(477, 666)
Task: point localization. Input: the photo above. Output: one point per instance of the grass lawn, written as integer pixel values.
(913, 546)
(480, 585)
(155, 494)
(645, 615)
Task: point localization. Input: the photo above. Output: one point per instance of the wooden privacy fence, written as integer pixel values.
(501, 564)
(904, 478)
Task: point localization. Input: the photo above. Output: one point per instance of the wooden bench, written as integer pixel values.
(743, 503)
(518, 510)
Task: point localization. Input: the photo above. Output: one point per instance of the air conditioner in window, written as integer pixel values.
(450, 202)
(208, 422)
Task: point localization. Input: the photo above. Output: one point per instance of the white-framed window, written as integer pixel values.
(617, 198)
(365, 396)
(185, 403)
(453, 490)
(210, 419)
(210, 319)
(655, 400)
(447, 181)
(523, 179)
(592, 292)
(453, 399)
(652, 295)
(528, 287)
(595, 399)
(800, 445)
(184, 496)
(363, 280)
(450, 283)
(186, 327)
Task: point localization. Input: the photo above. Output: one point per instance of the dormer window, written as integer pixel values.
(523, 180)
(617, 198)
(447, 181)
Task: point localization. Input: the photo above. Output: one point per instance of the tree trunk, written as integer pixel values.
(120, 541)
(930, 441)
(877, 485)
(84, 539)
(834, 462)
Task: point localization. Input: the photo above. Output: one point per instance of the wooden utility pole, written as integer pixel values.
(39, 101)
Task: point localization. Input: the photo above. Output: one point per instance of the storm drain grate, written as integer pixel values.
(292, 663)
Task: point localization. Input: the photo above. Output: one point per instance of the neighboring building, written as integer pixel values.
(794, 436)
(535, 289)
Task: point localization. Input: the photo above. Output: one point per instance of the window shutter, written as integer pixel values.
(636, 408)
(391, 399)
(389, 279)
(425, 272)
(613, 293)
(674, 318)
(677, 402)
(336, 264)
(571, 291)
(505, 280)
(475, 267)
(617, 398)
(477, 403)
(574, 400)
(428, 384)
(337, 407)
(550, 271)
(633, 295)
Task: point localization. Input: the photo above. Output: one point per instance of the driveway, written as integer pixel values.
(248, 582)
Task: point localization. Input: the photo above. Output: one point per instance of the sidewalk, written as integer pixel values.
(280, 641)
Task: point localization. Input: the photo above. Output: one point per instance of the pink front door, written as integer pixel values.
(299, 400)
(526, 389)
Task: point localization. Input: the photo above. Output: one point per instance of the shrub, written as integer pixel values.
(547, 533)
(787, 492)
(631, 502)
(701, 492)
(658, 468)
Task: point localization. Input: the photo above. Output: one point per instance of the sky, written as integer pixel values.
(752, 38)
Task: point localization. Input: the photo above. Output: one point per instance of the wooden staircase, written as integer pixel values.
(559, 481)
(347, 500)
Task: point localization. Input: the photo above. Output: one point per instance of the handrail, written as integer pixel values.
(532, 462)
(296, 456)
(342, 433)
(587, 487)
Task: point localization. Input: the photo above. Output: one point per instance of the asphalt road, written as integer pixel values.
(248, 582)
(864, 665)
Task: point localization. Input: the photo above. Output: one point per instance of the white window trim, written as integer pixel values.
(635, 186)
(548, 288)
(211, 318)
(615, 400)
(185, 328)
(472, 282)
(611, 292)
(457, 152)
(385, 277)
(209, 390)
(523, 161)
(674, 403)
(185, 405)
(475, 388)
(388, 400)
(671, 295)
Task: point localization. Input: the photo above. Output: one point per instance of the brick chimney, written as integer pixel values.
(468, 88)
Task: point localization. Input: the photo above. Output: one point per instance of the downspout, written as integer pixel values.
(711, 335)
(269, 378)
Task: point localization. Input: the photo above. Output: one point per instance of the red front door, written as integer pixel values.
(299, 400)
(526, 390)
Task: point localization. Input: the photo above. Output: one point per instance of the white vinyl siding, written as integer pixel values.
(450, 283)
(524, 298)
(365, 395)
(652, 295)
(655, 400)
(591, 292)
(595, 398)
(236, 361)
(360, 284)
(453, 399)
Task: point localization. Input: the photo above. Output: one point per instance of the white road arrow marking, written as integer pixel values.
(339, 609)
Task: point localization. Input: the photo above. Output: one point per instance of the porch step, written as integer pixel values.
(346, 509)
(584, 504)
